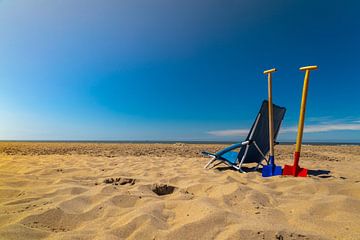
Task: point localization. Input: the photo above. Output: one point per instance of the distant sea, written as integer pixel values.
(173, 142)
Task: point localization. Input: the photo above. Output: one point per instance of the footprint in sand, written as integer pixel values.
(120, 181)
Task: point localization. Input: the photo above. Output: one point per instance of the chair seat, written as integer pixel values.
(231, 157)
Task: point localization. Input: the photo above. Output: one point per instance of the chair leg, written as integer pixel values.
(258, 165)
(239, 169)
(262, 154)
(210, 162)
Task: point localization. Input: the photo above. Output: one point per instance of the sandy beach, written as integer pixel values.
(161, 191)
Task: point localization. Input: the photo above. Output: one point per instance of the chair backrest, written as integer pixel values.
(259, 133)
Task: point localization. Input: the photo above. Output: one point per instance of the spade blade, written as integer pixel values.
(271, 170)
(295, 171)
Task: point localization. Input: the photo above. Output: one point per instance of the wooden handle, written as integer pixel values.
(303, 106)
(270, 71)
(270, 110)
(308, 68)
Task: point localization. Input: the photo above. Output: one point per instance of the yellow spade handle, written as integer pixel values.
(270, 71)
(270, 107)
(307, 70)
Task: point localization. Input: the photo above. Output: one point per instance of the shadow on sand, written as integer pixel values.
(316, 173)
(227, 168)
(320, 173)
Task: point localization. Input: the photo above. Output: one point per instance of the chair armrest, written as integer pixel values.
(207, 154)
(228, 149)
(248, 142)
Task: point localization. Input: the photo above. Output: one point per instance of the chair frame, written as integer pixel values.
(248, 143)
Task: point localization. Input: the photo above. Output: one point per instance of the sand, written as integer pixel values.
(161, 191)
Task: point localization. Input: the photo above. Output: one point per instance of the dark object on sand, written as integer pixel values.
(255, 146)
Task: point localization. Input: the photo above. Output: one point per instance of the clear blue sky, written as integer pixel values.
(175, 70)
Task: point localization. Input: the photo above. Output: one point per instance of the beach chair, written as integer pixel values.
(256, 145)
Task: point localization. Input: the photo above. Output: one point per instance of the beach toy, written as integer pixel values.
(271, 169)
(295, 170)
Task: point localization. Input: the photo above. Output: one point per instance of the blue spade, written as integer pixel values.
(271, 169)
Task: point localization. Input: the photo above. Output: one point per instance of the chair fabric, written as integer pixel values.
(261, 133)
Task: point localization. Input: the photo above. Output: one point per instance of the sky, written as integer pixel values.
(175, 70)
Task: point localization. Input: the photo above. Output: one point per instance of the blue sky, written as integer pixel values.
(175, 70)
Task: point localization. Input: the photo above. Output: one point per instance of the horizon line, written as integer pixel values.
(314, 142)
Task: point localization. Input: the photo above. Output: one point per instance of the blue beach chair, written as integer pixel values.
(255, 146)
